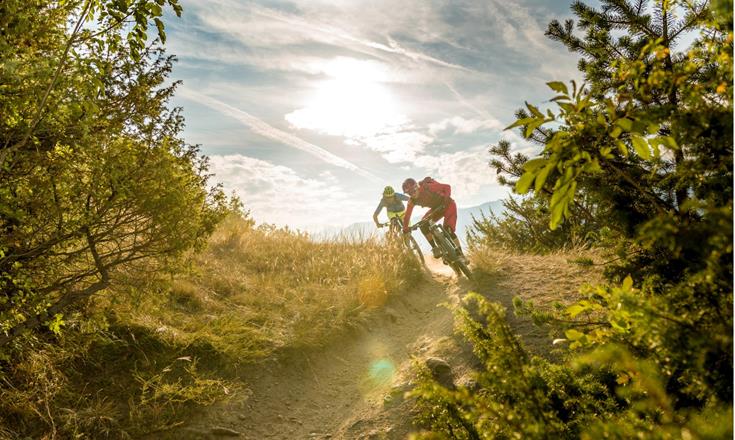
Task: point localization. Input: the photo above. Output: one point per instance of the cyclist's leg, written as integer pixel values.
(427, 233)
(398, 215)
(395, 218)
(450, 223)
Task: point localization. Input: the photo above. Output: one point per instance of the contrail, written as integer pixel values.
(392, 46)
(264, 129)
(467, 104)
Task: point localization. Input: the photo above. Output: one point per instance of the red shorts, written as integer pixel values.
(449, 213)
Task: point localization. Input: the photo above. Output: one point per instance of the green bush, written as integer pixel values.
(649, 143)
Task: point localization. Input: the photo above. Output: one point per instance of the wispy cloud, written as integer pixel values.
(264, 129)
(277, 194)
(441, 80)
(392, 46)
(461, 99)
(468, 172)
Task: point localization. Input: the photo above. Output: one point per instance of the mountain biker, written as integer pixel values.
(437, 197)
(393, 204)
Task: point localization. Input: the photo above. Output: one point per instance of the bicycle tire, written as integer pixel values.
(448, 253)
(452, 256)
(443, 242)
(415, 249)
(464, 269)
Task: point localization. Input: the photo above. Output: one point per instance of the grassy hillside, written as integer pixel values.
(137, 360)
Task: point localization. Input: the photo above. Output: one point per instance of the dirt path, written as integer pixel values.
(353, 388)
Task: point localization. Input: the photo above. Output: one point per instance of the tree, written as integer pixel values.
(650, 139)
(95, 176)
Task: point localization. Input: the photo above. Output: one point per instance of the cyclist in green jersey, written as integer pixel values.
(393, 204)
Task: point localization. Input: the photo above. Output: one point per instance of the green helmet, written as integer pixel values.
(388, 191)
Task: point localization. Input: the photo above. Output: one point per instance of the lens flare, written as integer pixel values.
(381, 372)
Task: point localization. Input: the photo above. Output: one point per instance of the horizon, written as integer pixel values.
(308, 109)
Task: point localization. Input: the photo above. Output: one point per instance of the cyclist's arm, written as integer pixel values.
(377, 211)
(407, 215)
(402, 197)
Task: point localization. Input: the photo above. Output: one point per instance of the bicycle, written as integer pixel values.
(395, 232)
(450, 253)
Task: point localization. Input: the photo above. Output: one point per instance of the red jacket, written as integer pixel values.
(431, 194)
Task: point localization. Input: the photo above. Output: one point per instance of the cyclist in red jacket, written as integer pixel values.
(437, 196)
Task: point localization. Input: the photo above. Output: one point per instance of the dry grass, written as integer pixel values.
(543, 279)
(135, 362)
(540, 283)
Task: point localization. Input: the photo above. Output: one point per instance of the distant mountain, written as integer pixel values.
(464, 215)
(368, 229)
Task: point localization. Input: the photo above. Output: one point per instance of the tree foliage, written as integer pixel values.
(648, 143)
(95, 176)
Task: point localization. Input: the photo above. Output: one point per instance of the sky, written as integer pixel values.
(308, 108)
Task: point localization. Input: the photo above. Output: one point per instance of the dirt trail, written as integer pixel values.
(353, 388)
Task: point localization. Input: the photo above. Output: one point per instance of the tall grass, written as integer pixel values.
(137, 360)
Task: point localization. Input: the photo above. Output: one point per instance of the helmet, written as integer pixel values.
(388, 191)
(409, 185)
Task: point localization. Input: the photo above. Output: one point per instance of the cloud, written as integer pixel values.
(460, 125)
(398, 147)
(277, 194)
(271, 132)
(338, 35)
(467, 172)
(260, 26)
(519, 144)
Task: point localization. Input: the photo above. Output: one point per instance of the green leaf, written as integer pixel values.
(541, 177)
(534, 164)
(669, 142)
(616, 132)
(573, 335)
(560, 98)
(536, 112)
(558, 87)
(519, 123)
(627, 283)
(161, 33)
(556, 213)
(641, 146)
(624, 123)
(533, 126)
(576, 309)
(524, 183)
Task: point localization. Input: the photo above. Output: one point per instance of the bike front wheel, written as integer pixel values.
(413, 246)
(460, 268)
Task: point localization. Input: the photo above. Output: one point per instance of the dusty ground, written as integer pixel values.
(353, 388)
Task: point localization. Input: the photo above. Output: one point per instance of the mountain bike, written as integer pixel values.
(395, 233)
(450, 254)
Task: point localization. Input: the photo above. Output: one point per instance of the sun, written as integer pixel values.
(354, 102)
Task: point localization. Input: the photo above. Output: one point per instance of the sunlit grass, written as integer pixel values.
(134, 361)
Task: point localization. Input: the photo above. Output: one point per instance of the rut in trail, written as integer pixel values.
(352, 388)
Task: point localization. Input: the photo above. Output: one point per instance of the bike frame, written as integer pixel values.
(444, 241)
